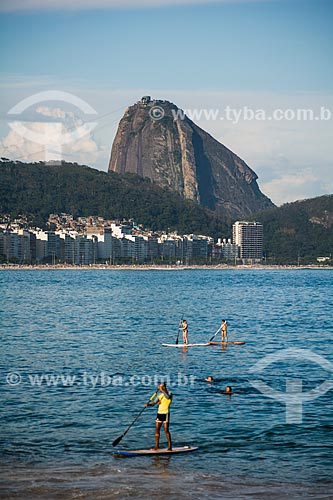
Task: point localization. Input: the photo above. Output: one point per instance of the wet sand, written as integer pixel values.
(154, 480)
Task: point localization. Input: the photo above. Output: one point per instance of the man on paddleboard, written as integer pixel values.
(163, 399)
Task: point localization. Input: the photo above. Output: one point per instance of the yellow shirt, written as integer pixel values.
(163, 404)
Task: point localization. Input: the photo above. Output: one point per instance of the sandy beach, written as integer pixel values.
(152, 267)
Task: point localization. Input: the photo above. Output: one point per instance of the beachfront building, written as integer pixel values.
(49, 247)
(68, 253)
(90, 240)
(133, 247)
(68, 247)
(86, 250)
(103, 237)
(152, 240)
(225, 250)
(127, 248)
(41, 245)
(170, 247)
(18, 245)
(141, 248)
(248, 236)
(167, 246)
(184, 248)
(196, 247)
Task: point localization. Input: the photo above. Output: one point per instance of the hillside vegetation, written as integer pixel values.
(38, 189)
(300, 230)
(296, 232)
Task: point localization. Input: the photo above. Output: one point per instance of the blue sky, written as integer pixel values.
(200, 55)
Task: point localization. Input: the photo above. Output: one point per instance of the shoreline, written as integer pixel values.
(156, 267)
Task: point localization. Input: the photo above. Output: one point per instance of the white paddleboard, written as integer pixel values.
(184, 345)
(161, 451)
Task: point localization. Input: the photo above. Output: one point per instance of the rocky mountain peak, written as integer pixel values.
(156, 140)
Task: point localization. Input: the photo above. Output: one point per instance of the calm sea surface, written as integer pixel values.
(81, 352)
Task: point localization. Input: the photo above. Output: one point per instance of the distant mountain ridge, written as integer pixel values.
(176, 153)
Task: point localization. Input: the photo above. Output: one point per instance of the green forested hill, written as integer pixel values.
(300, 230)
(39, 189)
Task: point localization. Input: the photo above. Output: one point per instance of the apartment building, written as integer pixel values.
(248, 236)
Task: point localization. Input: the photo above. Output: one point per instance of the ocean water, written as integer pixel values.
(81, 352)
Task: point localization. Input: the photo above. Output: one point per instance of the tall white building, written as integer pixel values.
(41, 245)
(69, 250)
(249, 238)
(104, 241)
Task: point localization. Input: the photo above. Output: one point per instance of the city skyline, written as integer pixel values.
(88, 240)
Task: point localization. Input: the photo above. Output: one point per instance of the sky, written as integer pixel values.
(243, 70)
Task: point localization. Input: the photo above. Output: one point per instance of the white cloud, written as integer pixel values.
(54, 112)
(19, 5)
(64, 139)
(295, 186)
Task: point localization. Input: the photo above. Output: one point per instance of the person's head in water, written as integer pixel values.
(209, 379)
(228, 389)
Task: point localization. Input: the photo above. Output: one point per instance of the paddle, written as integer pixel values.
(117, 441)
(213, 337)
(181, 321)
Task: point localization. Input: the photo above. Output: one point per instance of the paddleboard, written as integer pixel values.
(184, 345)
(161, 451)
(224, 343)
